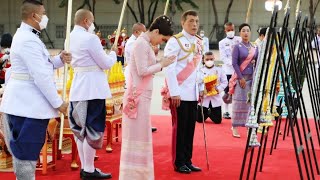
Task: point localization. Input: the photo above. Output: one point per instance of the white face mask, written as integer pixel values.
(230, 34)
(123, 34)
(44, 22)
(7, 50)
(91, 28)
(201, 35)
(209, 63)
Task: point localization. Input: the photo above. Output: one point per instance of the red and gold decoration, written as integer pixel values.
(210, 83)
(102, 40)
(121, 41)
(5, 156)
(114, 108)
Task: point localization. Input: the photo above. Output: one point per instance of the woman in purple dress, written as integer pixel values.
(244, 56)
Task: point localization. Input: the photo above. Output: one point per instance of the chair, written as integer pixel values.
(113, 118)
(67, 133)
(112, 123)
(50, 140)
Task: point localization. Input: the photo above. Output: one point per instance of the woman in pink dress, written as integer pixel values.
(136, 160)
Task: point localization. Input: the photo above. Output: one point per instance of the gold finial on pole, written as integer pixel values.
(120, 23)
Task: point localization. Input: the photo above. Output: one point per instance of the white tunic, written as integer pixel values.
(127, 52)
(188, 90)
(216, 100)
(87, 52)
(205, 42)
(128, 47)
(317, 38)
(38, 97)
(225, 49)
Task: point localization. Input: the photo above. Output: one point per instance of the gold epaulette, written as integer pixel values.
(254, 44)
(189, 52)
(199, 37)
(179, 35)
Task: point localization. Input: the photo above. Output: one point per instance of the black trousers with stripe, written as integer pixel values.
(213, 112)
(226, 90)
(183, 124)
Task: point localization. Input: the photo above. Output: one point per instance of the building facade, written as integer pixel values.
(107, 15)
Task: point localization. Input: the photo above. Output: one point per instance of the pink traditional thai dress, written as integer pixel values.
(136, 161)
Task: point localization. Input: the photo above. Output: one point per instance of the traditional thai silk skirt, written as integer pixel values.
(240, 107)
(87, 120)
(136, 161)
(25, 136)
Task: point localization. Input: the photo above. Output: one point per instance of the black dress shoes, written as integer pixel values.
(226, 115)
(96, 158)
(193, 168)
(183, 169)
(97, 174)
(81, 173)
(153, 129)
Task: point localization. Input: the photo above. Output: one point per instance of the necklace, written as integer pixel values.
(249, 48)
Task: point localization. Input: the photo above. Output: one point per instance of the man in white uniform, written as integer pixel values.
(317, 38)
(137, 29)
(205, 42)
(259, 40)
(225, 49)
(30, 98)
(88, 92)
(183, 89)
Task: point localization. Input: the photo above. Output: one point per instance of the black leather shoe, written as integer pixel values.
(97, 174)
(96, 158)
(183, 169)
(154, 129)
(226, 115)
(81, 173)
(193, 168)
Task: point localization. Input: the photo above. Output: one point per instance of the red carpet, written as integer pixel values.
(225, 156)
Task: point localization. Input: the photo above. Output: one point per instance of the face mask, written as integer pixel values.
(44, 22)
(201, 35)
(7, 50)
(123, 34)
(230, 34)
(209, 64)
(91, 28)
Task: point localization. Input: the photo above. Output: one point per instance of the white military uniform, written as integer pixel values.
(317, 38)
(29, 100)
(31, 91)
(215, 100)
(88, 92)
(258, 43)
(89, 60)
(188, 90)
(128, 47)
(186, 47)
(127, 52)
(205, 42)
(225, 49)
